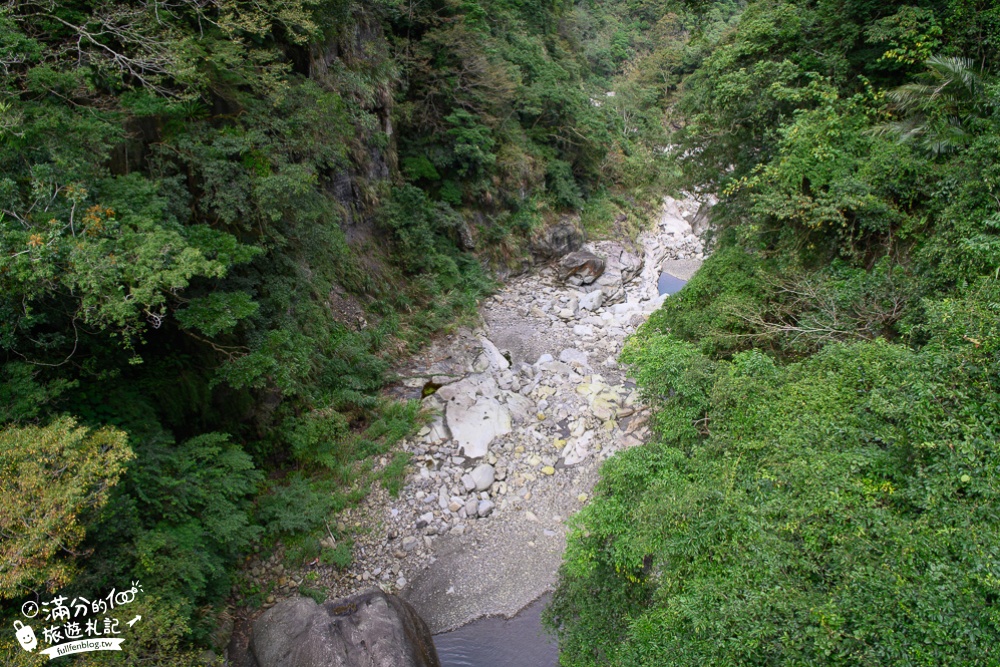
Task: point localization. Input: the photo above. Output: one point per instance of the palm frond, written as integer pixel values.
(953, 69)
(912, 95)
(937, 108)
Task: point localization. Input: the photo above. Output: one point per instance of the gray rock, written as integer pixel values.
(702, 219)
(683, 269)
(465, 239)
(621, 267)
(471, 507)
(483, 475)
(592, 300)
(557, 367)
(468, 482)
(438, 430)
(577, 449)
(495, 357)
(482, 363)
(485, 507)
(373, 629)
(475, 425)
(627, 264)
(521, 408)
(574, 357)
(621, 308)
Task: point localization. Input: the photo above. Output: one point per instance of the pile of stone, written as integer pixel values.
(537, 391)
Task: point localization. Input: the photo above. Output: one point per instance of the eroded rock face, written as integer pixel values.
(371, 629)
(555, 241)
(621, 267)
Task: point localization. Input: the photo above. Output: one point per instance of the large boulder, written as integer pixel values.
(473, 414)
(592, 300)
(581, 267)
(492, 357)
(474, 426)
(556, 240)
(371, 629)
(621, 267)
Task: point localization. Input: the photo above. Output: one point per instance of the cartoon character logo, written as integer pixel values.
(25, 636)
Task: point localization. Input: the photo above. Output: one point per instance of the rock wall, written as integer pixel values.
(359, 47)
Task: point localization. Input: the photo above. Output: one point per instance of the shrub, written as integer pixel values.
(52, 480)
(837, 510)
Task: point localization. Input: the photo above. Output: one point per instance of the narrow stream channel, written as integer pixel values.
(497, 642)
(520, 641)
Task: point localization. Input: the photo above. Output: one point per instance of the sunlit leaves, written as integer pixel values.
(52, 479)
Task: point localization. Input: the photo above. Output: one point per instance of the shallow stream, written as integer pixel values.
(498, 642)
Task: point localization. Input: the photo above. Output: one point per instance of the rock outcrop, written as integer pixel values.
(620, 268)
(557, 240)
(371, 629)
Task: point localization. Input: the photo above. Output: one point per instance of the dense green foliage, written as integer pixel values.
(822, 484)
(836, 510)
(220, 222)
(52, 478)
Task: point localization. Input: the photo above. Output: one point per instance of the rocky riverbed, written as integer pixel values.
(527, 406)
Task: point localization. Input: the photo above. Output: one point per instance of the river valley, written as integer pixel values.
(528, 403)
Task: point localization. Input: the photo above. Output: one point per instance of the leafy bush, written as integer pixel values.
(712, 308)
(314, 593)
(393, 475)
(835, 510)
(194, 503)
(562, 185)
(54, 479)
(340, 556)
(296, 506)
